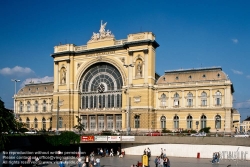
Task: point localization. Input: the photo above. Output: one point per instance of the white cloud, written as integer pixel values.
(17, 70)
(237, 72)
(244, 104)
(235, 41)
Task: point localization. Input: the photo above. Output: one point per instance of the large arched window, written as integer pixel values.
(35, 123)
(28, 106)
(176, 100)
(189, 99)
(44, 123)
(176, 122)
(28, 122)
(217, 122)
(203, 99)
(163, 100)
(101, 87)
(218, 98)
(203, 121)
(163, 122)
(189, 122)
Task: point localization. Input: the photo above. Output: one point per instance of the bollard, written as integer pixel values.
(198, 155)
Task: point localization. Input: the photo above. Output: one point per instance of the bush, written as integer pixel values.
(164, 130)
(206, 130)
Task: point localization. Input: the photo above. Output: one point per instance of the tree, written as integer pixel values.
(80, 126)
(8, 124)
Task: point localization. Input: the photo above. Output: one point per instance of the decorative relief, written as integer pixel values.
(139, 65)
(103, 34)
(137, 99)
(63, 75)
(138, 37)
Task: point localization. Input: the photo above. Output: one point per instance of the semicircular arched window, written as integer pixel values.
(101, 87)
(163, 122)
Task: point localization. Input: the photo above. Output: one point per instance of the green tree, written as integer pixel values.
(79, 126)
(8, 124)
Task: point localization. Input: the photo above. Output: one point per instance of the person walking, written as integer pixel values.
(87, 161)
(61, 164)
(168, 162)
(79, 161)
(98, 162)
(156, 161)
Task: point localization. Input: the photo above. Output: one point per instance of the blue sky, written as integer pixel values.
(191, 34)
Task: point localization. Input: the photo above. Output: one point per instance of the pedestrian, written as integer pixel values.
(111, 152)
(98, 162)
(101, 152)
(156, 161)
(79, 161)
(87, 161)
(61, 164)
(168, 162)
(36, 161)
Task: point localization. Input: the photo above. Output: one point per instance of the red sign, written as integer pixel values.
(87, 138)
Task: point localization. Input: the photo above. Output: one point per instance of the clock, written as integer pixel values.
(101, 88)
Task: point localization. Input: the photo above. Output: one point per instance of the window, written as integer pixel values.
(92, 122)
(21, 106)
(190, 77)
(35, 123)
(163, 122)
(189, 99)
(85, 121)
(203, 99)
(28, 122)
(100, 123)
(189, 122)
(218, 98)
(28, 106)
(118, 122)
(36, 106)
(203, 121)
(137, 121)
(44, 123)
(44, 106)
(176, 99)
(163, 100)
(218, 75)
(110, 121)
(176, 122)
(177, 78)
(101, 87)
(60, 122)
(217, 122)
(204, 76)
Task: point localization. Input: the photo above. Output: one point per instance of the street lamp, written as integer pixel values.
(15, 80)
(128, 99)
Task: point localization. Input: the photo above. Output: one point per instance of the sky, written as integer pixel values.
(191, 34)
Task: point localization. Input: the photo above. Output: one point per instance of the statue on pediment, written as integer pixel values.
(103, 34)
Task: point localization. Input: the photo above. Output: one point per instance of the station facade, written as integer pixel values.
(112, 85)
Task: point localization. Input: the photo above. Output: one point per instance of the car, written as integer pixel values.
(31, 132)
(116, 132)
(156, 133)
(241, 135)
(202, 134)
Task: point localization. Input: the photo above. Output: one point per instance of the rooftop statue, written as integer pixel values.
(103, 34)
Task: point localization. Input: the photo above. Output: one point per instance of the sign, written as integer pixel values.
(128, 138)
(87, 138)
(114, 138)
(100, 138)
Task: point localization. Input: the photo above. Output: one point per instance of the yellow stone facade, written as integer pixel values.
(99, 80)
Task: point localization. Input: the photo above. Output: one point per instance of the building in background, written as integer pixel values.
(112, 84)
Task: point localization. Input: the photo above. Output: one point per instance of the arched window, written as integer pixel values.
(203, 99)
(176, 100)
(163, 122)
(217, 122)
(36, 106)
(189, 122)
(189, 99)
(28, 122)
(44, 106)
(21, 106)
(35, 123)
(44, 123)
(218, 98)
(101, 87)
(163, 100)
(60, 122)
(137, 121)
(176, 122)
(28, 106)
(203, 121)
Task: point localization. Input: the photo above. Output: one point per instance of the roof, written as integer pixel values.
(37, 88)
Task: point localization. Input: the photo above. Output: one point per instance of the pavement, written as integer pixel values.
(129, 160)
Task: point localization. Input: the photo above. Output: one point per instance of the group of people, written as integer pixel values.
(89, 161)
(162, 161)
(216, 157)
(110, 153)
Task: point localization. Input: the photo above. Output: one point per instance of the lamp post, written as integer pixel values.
(128, 99)
(15, 80)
